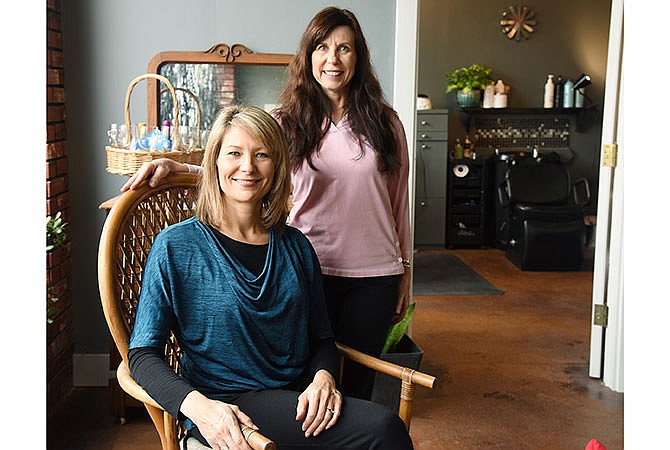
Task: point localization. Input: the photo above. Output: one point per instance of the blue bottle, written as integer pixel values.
(568, 95)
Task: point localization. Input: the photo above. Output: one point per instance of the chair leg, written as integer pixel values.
(171, 437)
(156, 415)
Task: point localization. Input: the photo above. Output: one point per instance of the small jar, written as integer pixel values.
(500, 100)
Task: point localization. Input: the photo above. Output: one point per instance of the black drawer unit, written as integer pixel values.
(467, 203)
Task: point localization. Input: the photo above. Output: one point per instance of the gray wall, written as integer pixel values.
(571, 37)
(108, 43)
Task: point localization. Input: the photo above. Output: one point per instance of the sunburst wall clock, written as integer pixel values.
(518, 22)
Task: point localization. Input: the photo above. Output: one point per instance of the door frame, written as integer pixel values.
(606, 349)
(405, 81)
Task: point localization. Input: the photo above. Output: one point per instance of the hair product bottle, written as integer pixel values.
(489, 92)
(558, 92)
(549, 92)
(458, 150)
(568, 95)
(467, 148)
(500, 96)
(579, 98)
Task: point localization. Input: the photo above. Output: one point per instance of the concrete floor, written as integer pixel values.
(512, 372)
(514, 368)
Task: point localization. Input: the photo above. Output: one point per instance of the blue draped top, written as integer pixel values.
(239, 332)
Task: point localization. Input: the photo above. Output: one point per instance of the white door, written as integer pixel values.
(606, 356)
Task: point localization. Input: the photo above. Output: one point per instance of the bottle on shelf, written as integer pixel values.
(558, 92)
(467, 148)
(568, 95)
(458, 150)
(489, 92)
(500, 96)
(549, 92)
(579, 98)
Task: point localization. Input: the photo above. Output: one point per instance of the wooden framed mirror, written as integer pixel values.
(212, 79)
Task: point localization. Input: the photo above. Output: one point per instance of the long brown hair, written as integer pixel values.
(265, 128)
(304, 105)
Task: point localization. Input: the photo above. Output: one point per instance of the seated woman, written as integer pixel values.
(242, 292)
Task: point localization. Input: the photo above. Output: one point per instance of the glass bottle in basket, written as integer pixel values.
(113, 135)
(187, 138)
(123, 139)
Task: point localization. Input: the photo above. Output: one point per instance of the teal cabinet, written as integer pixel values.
(430, 188)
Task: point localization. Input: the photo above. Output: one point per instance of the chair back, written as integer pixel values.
(129, 231)
(127, 236)
(538, 183)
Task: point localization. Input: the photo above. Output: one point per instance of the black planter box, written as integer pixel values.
(386, 389)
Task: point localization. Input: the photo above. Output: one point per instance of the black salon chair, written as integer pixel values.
(546, 216)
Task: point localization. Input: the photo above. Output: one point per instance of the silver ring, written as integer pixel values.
(331, 410)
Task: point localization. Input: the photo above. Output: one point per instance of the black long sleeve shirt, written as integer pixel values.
(150, 370)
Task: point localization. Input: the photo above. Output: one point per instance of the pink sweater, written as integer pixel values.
(356, 218)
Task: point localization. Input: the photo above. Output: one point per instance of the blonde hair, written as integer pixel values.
(263, 127)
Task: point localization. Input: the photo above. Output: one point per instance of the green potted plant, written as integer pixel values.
(56, 238)
(399, 349)
(469, 83)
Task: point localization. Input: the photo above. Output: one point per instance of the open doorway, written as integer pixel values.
(568, 41)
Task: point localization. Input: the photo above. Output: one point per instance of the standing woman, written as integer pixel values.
(349, 169)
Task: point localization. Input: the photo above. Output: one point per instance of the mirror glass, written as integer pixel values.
(203, 89)
(207, 81)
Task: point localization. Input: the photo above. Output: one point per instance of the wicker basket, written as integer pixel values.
(124, 161)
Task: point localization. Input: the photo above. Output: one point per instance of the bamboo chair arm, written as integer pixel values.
(255, 439)
(386, 367)
(130, 386)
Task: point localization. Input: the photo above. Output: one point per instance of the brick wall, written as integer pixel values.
(60, 334)
(225, 95)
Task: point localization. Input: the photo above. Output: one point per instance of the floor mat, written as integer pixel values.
(446, 274)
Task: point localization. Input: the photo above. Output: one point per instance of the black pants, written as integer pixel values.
(361, 310)
(362, 425)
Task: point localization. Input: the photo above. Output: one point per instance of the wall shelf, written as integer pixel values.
(468, 113)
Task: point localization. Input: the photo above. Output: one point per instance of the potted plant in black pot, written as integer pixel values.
(399, 349)
(468, 82)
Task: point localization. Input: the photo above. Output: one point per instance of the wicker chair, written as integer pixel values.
(130, 228)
